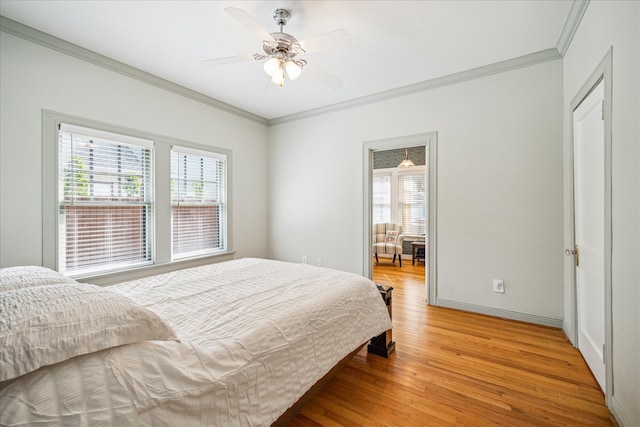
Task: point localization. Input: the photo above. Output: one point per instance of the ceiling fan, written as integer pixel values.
(282, 51)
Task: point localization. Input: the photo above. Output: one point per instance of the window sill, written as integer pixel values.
(112, 278)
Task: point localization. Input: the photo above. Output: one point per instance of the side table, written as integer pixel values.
(383, 345)
(417, 251)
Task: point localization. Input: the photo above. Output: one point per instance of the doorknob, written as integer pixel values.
(575, 252)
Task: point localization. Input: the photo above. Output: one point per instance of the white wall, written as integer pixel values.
(499, 186)
(617, 24)
(499, 163)
(500, 171)
(35, 78)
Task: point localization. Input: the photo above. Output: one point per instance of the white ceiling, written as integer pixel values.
(394, 43)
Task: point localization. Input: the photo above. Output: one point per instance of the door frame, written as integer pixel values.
(603, 72)
(430, 141)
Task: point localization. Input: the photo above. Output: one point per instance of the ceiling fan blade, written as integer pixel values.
(322, 76)
(337, 38)
(227, 60)
(249, 23)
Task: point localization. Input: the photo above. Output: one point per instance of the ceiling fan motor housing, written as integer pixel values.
(285, 44)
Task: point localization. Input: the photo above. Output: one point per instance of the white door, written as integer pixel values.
(589, 184)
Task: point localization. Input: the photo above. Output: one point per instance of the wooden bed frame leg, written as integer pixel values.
(383, 345)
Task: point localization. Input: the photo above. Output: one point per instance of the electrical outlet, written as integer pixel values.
(319, 262)
(498, 286)
(304, 259)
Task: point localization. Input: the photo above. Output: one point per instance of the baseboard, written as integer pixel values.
(496, 312)
(619, 414)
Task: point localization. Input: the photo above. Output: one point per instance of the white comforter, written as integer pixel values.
(255, 336)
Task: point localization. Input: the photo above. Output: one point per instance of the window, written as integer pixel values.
(399, 195)
(413, 208)
(198, 202)
(115, 200)
(105, 201)
(381, 198)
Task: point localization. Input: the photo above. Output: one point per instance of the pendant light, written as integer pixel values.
(406, 162)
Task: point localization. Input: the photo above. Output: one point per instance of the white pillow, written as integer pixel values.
(30, 275)
(43, 325)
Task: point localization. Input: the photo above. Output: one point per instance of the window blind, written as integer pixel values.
(106, 201)
(198, 202)
(381, 198)
(412, 193)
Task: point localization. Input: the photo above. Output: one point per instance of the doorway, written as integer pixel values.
(427, 145)
(589, 248)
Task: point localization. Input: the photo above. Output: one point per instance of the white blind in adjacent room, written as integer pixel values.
(105, 199)
(198, 202)
(381, 198)
(412, 193)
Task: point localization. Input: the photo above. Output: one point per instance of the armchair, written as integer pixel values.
(387, 239)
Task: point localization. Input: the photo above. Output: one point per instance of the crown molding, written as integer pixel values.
(578, 7)
(31, 34)
(462, 76)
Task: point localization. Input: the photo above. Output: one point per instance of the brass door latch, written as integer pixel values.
(575, 252)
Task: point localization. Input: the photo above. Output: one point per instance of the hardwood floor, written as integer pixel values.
(457, 368)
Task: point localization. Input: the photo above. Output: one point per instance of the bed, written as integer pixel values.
(237, 343)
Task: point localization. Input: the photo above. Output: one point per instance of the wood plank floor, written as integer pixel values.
(454, 368)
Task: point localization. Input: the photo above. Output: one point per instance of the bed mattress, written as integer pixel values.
(254, 335)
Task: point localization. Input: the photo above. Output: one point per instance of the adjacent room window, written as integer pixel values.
(105, 198)
(381, 198)
(399, 195)
(413, 207)
(198, 202)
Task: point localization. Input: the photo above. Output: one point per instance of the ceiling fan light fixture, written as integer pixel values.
(272, 67)
(281, 50)
(293, 70)
(278, 78)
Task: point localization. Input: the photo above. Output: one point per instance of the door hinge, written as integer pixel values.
(604, 353)
(603, 109)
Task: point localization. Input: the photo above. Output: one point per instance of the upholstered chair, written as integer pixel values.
(387, 239)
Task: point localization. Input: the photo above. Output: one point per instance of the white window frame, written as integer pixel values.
(396, 205)
(221, 201)
(163, 261)
(68, 205)
(420, 171)
(385, 174)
